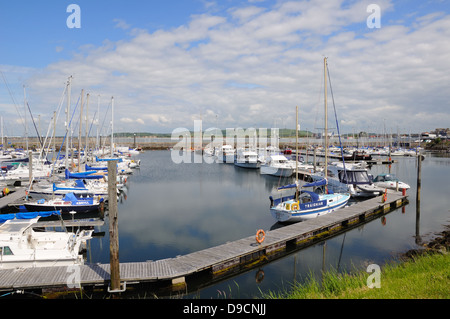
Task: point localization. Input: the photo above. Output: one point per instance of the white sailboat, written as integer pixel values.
(304, 204)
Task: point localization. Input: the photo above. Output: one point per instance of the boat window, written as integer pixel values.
(5, 250)
(305, 198)
(362, 177)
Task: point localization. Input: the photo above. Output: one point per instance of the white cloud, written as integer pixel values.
(253, 66)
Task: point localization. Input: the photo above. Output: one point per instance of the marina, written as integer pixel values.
(206, 266)
(214, 262)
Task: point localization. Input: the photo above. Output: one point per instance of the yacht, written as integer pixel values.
(277, 165)
(21, 246)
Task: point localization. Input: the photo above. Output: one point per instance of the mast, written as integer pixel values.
(296, 144)
(112, 126)
(326, 122)
(67, 122)
(79, 131)
(97, 144)
(25, 116)
(86, 146)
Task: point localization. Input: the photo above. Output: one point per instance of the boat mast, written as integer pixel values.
(326, 122)
(25, 116)
(79, 131)
(296, 144)
(112, 126)
(67, 122)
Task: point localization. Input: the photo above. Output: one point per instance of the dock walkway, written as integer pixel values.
(217, 261)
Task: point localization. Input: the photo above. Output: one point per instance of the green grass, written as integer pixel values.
(423, 277)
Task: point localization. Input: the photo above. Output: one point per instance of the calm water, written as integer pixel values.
(174, 209)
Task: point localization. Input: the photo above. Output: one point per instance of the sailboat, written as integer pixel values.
(304, 205)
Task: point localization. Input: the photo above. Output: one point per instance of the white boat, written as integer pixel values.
(304, 205)
(44, 189)
(225, 154)
(21, 173)
(350, 178)
(247, 159)
(277, 165)
(389, 181)
(23, 247)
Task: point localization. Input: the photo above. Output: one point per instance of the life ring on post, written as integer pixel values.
(385, 196)
(260, 236)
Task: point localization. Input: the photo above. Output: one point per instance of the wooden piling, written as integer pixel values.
(113, 227)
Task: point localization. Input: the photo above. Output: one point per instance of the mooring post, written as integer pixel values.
(419, 185)
(113, 227)
(419, 178)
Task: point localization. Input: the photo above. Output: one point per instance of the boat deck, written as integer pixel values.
(218, 261)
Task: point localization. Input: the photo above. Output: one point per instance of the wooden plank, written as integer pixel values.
(13, 197)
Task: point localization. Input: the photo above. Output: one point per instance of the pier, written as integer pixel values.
(216, 263)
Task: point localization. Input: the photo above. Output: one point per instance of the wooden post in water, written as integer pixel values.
(113, 227)
(419, 185)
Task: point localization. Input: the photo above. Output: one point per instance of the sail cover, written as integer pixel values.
(288, 186)
(321, 182)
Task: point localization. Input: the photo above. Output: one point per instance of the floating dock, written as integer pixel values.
(18, 195)
(216, 263)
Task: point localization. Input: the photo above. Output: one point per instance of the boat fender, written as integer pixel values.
(385, 196)
(271, 201)
(260, 236)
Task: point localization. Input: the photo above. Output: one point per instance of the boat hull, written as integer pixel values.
(315, 210)
(275, 171)
(62, 208)
(247, 164)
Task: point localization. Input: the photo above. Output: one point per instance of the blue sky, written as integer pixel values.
(231, 63)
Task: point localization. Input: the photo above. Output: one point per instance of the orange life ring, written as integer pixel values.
(260, 236)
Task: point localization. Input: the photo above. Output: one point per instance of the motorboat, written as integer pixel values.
(352, 178)
(21, 173)
(21, 246)
(67, 203)
(247, 159)
(389, 181)
(304, 205)
(225, 154)
(277, 165)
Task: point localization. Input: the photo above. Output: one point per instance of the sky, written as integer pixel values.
(229, 63)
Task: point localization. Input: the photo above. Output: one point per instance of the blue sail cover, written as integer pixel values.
(82, 175)
(288, 186)
(70, 197)
(28, 215)
(79, 185)
(92, 168)
(108, 159)
(321, 182)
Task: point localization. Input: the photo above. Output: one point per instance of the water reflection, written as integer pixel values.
(174, 209)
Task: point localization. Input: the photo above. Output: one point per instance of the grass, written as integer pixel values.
(425, 276)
